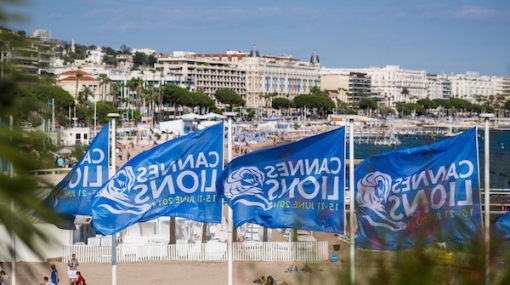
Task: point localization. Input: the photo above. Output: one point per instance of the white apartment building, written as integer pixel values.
(249, 74)
(501, 86)
(466, 86)
(147, 51)
(388, 82)
(283, 75)
(438, 87)
(43, 35)
(346, 86)
(95, 56)
(206, 73)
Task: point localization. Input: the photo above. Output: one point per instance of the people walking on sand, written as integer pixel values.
(73, 268)
(120, 154)
(45, 281)
(128, 155)
(81, 280)
(54, 275)
(4, 278)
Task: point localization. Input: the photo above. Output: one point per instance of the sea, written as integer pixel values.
(499, 153)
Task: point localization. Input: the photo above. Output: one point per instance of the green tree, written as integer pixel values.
(139, 59)
(405, 92)
(172, 94)
(367, 104)
(125, 49)
(229, 97)
(78, 76)
(202, 100)
(281, 103)
(151, 60)
(115, 92)
(84, 95)
(267, 100)
(103, 81)
(102, 111)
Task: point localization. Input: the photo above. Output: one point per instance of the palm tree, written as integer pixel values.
(404, 93)
(83, 96)
(78, 76)
(114, 91)
(267, 100)
(103, 80)
(132, 85)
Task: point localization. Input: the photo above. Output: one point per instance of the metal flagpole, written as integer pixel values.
(487, 198)
(95, 116)
(111, 173)
(230, 214)
(351, 195)
(13, 236)
(52, 115)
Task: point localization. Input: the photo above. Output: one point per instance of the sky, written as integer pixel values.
(448, 36)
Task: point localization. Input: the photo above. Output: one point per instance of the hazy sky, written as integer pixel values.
(436, 36)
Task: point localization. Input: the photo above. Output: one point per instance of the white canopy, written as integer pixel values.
(191, 117)
(213, 116)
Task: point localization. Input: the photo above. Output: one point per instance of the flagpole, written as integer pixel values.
(52, 115)
(351, 195)
(230, 213)
(487, 198)
(113, 141)
(13, 236)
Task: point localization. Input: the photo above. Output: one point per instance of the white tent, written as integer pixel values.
(64, 151)
(213, 116)
(191, 117)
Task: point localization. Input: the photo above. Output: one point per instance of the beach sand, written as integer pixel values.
(182, 272)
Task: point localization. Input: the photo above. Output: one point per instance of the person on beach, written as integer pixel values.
(73, 267)
(81, 280)
(4, 278)
(45, 281)
(270, 281)
(54, 275)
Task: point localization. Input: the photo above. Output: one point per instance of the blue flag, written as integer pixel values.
(297, 185)
(502, 227)
(176, 178)
(72, 195)
(423, 194)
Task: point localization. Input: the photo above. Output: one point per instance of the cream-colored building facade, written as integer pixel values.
(249, 74)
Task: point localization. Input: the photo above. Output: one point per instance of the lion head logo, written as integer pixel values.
(117, 190)
(244, 185)
(373, 193)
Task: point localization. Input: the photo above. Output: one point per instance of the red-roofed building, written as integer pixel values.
(68, 81)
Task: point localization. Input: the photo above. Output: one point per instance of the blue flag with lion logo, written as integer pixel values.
(176, 178)
(72, 195)
(420, 195)
(298, 185)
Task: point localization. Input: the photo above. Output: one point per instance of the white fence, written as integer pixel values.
(242, 251)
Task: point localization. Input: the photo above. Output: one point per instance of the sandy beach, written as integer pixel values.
(192, 272)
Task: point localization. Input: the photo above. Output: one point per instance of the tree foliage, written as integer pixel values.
(282, 103)
(229, 97)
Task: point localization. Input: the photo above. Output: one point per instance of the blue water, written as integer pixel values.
(499, 142)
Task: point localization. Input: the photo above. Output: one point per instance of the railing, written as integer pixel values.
(242, 251)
